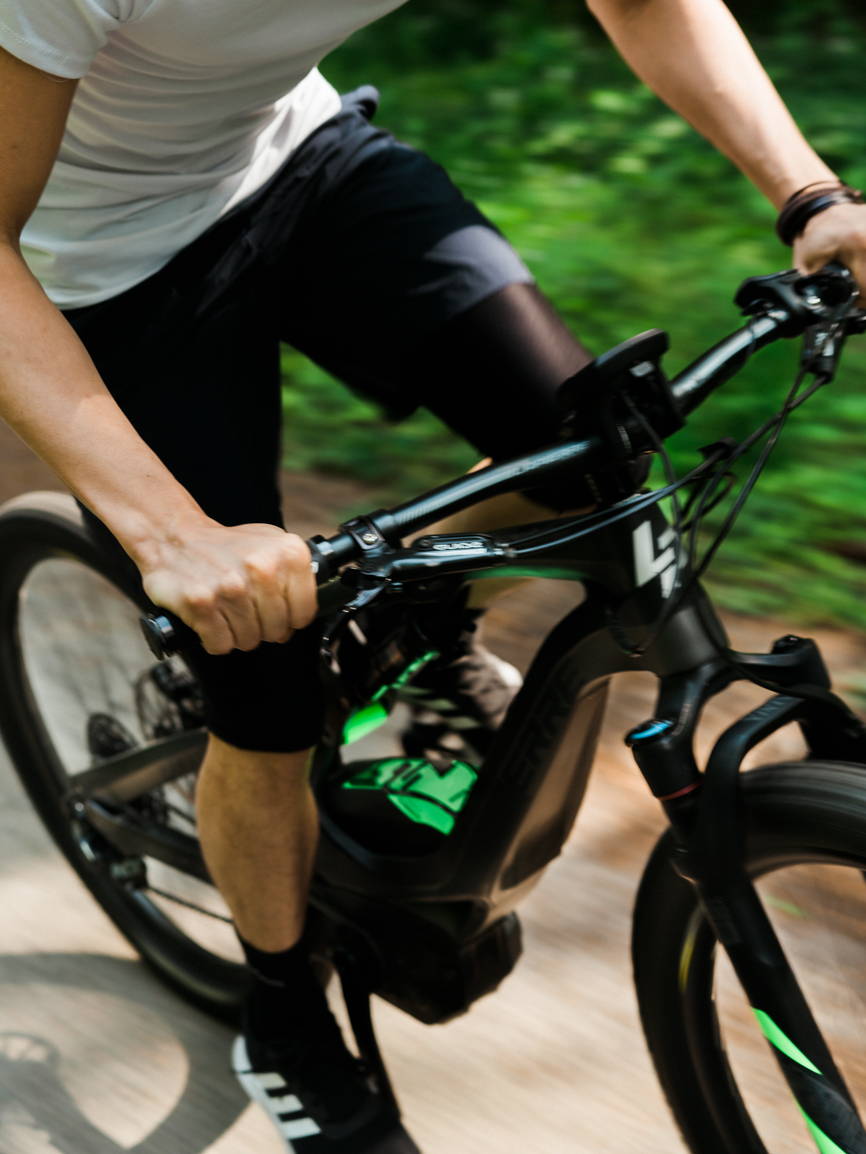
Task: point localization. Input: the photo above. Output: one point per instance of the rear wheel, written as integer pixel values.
(806, 848)
(79, 687)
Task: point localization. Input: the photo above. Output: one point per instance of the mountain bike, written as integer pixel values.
(426, 856)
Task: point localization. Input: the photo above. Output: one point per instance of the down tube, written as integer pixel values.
(537, 770)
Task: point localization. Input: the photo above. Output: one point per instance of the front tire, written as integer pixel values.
(805, 826)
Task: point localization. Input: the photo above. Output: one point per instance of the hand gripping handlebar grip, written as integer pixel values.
(162, 631)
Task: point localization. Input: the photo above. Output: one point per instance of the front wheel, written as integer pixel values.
(805, 827)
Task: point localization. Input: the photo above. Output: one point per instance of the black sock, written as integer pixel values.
(285, 998)
(282, 968)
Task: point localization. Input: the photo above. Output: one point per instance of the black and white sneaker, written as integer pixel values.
(320, 1099)
(459, 699)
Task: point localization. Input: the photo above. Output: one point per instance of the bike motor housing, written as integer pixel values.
(419, 959)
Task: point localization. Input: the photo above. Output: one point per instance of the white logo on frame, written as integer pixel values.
(648, 564)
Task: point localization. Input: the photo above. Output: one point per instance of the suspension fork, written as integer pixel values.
(741, 925)
(705, 820)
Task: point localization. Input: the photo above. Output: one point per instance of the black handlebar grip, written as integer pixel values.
(160, 634)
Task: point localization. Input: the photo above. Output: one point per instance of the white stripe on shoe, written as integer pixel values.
(299, 1128)
(257, 1087)
(267, 1081)
(288, 1104)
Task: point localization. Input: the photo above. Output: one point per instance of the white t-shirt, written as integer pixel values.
(185, 108)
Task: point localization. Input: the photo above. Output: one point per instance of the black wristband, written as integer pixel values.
(799, 209)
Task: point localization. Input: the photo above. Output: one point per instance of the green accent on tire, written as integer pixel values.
(825, 1145)
(421, 791)
(364, 721)
(782, 1042)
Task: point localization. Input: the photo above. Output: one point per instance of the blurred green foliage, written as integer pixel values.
(629, 221)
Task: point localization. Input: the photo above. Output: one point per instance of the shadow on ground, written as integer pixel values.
(65, 1079)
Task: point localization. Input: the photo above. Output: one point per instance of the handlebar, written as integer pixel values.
(780, 306)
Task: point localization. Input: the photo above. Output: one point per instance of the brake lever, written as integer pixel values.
(822, 347)
(823, 341)
(371, 585)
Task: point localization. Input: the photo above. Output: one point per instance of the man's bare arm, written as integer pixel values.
(50, 391)
(236, 586)
(694, 55)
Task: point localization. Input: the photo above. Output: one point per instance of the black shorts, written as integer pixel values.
(356, 252)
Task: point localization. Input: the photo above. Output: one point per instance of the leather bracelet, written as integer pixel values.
(825, 184)
(799, 209)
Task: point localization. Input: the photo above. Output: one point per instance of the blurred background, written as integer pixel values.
(629, 221)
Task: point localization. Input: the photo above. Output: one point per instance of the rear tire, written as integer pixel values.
(61, 601)
(810, 815)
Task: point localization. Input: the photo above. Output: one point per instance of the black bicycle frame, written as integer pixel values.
(532, 782)
(431, 931)
(434, 931)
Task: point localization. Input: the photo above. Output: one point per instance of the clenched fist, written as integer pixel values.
(236, 586)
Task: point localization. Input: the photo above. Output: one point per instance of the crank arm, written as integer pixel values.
(145, 839)
(136, 772)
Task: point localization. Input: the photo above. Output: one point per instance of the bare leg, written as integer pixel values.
(258, 828)
(257, 816)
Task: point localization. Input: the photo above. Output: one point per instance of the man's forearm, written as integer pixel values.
(52, 396)
(694, 56)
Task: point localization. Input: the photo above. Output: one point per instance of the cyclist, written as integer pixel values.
(180, 189)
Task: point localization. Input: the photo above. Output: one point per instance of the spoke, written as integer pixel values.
(186, 904)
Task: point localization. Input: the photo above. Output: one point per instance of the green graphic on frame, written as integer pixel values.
(420, 790)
